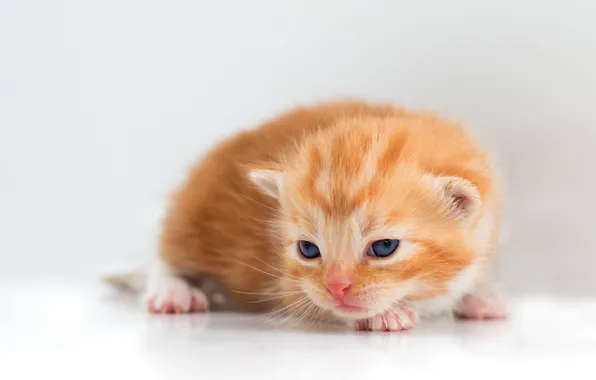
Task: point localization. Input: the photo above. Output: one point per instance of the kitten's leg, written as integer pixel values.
(484, 303)
(167, 293)
(399, 318)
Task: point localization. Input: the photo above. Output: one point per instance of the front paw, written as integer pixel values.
(398, 318)
(487, 304)
(176, 296)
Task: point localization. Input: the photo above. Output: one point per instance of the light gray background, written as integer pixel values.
(103, 105)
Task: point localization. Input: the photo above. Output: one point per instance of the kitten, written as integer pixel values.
(366, 214)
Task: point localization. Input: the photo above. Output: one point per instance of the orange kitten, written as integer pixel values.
(365, 214)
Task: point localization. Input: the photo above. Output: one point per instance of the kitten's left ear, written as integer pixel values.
(460, 196)
(269, 181)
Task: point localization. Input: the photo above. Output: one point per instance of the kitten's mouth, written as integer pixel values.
(341, 305)
(348, 310)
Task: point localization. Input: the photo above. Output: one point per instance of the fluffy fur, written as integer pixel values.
(339, 175)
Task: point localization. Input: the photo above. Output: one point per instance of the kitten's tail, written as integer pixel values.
(132, 281)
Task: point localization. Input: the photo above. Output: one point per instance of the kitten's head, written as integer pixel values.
(364, 224)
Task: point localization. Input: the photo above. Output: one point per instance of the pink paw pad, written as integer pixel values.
(399, 318)
(177, 298)
(485, 306)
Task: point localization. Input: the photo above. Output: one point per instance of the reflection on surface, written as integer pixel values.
(72, 329)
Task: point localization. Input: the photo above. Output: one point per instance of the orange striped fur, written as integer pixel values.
(340, 175)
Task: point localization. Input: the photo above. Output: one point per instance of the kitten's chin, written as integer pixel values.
(344, 310)
(352, 315)
(350, 312)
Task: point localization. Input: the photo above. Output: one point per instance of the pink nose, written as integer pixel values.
(338, 289)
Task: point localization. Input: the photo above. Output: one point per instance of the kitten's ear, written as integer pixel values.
(268, 181)
(461, 197)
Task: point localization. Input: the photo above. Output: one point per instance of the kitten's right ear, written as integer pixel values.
(268, 181)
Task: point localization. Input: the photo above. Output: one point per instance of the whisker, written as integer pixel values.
(271, 316)
(266, 293)
(276, 210)
(293, 201)
(291, 310)
(273, 298)
(259, 220)
(276, 311)
(304, 305)
(259, 203)
(270, 274)
(316, 317)
(304, 313)
(277, 269)
(298, 207)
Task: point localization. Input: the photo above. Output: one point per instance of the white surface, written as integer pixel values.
(73, 331)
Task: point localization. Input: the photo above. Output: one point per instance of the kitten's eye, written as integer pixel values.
(308, 249)
(383, 248)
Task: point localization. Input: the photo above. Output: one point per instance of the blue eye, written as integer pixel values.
(383, 248)
(308, 249)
